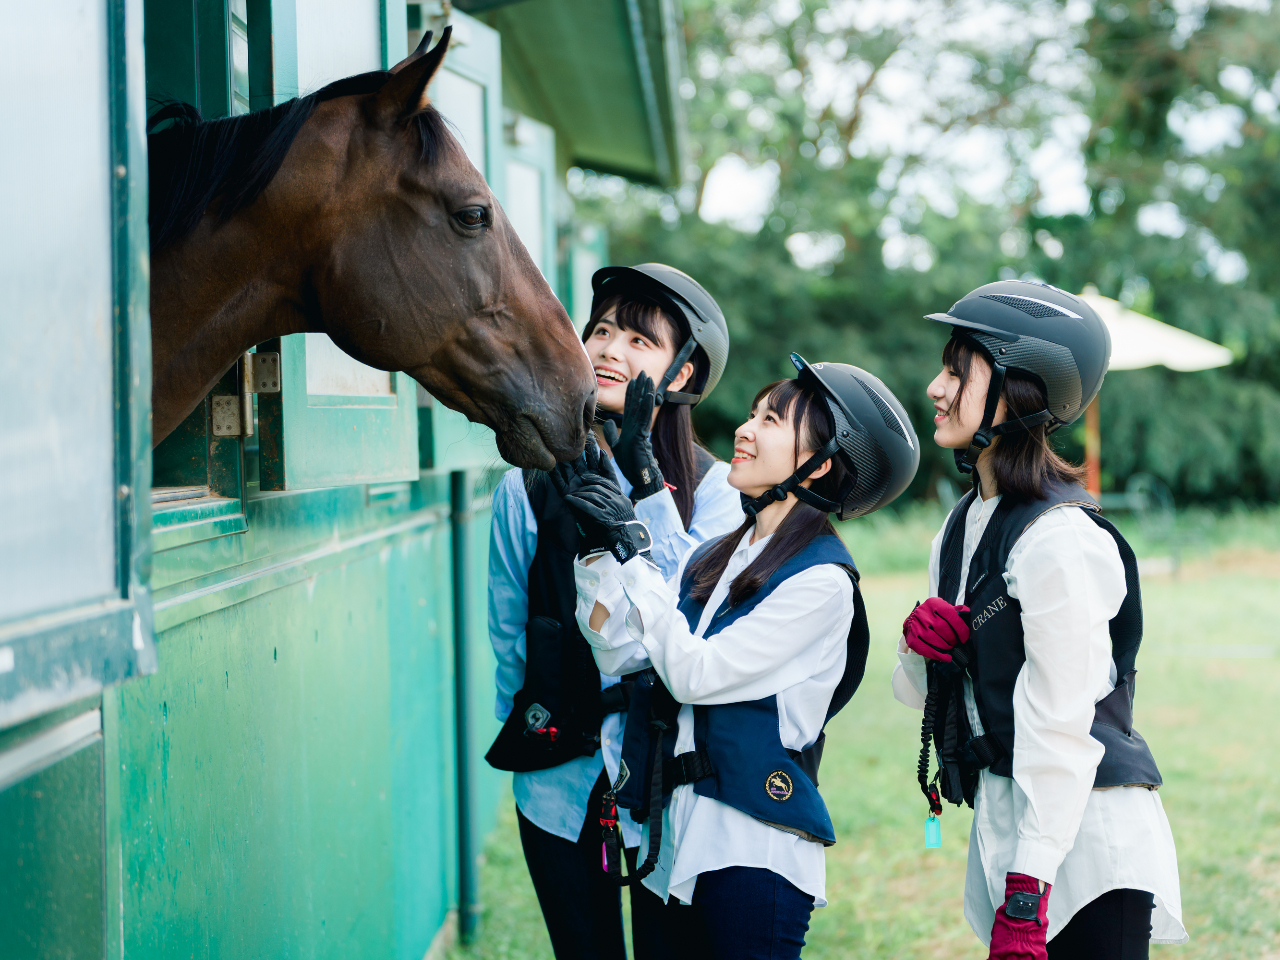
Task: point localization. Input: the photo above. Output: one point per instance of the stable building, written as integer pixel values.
(245, 681)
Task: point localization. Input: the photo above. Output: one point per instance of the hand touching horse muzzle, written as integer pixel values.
(605, 517)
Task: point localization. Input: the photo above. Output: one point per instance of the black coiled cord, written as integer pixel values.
(926, 736)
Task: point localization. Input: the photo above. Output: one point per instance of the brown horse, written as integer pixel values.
(354, 212)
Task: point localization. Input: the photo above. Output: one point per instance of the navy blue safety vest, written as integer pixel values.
(995, 653)
(740, 755)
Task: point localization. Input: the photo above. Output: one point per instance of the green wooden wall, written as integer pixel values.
(287, 778)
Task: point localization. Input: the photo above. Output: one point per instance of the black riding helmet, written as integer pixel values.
(680, 295)
(1041, 331)
(873, 438)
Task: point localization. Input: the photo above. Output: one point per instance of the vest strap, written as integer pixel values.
(617, 699)
(686, 768)
(985, 750)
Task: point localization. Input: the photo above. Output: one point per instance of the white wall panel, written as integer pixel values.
(57, 416)
(461, 102)
(526, 208)
(336, 39)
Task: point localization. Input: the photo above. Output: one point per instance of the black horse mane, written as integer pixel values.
(195, 162)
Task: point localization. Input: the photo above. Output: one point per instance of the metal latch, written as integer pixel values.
(233, 415)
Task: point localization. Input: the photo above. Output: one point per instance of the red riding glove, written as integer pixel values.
(1022, 920)
(934, 627)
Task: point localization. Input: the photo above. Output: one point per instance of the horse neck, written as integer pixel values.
(213, 296)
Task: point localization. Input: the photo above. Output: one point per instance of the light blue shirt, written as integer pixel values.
(556, 799)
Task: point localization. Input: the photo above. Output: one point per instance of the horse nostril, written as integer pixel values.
(589, 413)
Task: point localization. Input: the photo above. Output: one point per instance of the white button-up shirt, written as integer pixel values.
(792, 644)
(555, 799)
(1047, 821)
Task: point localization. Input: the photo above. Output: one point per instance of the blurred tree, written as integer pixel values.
(1186, 192)
(921, 149)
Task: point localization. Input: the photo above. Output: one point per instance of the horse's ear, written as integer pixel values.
(423, 45)
(405, 94)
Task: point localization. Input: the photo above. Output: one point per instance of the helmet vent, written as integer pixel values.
(1034, 308)
(886, 412)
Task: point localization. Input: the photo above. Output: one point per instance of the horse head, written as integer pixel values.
(376, 229)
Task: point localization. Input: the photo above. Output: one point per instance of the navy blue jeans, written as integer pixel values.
(742, 913)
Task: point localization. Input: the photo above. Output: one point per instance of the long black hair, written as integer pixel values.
(1023, 461)
(673, 437)
(805, 407)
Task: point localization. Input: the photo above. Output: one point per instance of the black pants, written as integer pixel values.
(1116, 926)
(581, 907)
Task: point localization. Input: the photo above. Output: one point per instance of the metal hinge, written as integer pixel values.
(233, 415)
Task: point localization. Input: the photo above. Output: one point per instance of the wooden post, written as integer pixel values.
(1093, 450)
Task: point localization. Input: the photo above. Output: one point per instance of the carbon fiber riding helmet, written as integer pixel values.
(683, 296)
(873, 438)
(1041, 331)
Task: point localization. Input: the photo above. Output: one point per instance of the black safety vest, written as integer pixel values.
(995, 654)
(557, 714)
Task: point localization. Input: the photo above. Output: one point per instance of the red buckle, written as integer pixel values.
(551, 733)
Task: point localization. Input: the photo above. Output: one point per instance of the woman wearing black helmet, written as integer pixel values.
(1023, 655)
(747, 652)
(658, 343)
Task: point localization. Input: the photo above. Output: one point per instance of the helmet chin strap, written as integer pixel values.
(967, 460)
(752, 506)
(666, 395)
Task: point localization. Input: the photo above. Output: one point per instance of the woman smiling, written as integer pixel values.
(658, 343)
(747, 652)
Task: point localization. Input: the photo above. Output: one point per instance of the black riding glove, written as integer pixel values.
(631, 445)
(605, 517)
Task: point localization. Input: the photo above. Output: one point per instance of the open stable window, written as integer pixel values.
(333, 421)
(74, 611)
(199, 52)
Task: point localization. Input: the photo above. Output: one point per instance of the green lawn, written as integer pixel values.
(1210, 721)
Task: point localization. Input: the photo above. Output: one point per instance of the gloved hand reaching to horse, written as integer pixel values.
(631, 444)
(605, 517)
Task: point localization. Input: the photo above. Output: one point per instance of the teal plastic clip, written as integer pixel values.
(932, 833)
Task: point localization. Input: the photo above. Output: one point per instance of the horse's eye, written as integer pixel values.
(470, 217)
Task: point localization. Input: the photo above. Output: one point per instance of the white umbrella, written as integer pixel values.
(1136, 342)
